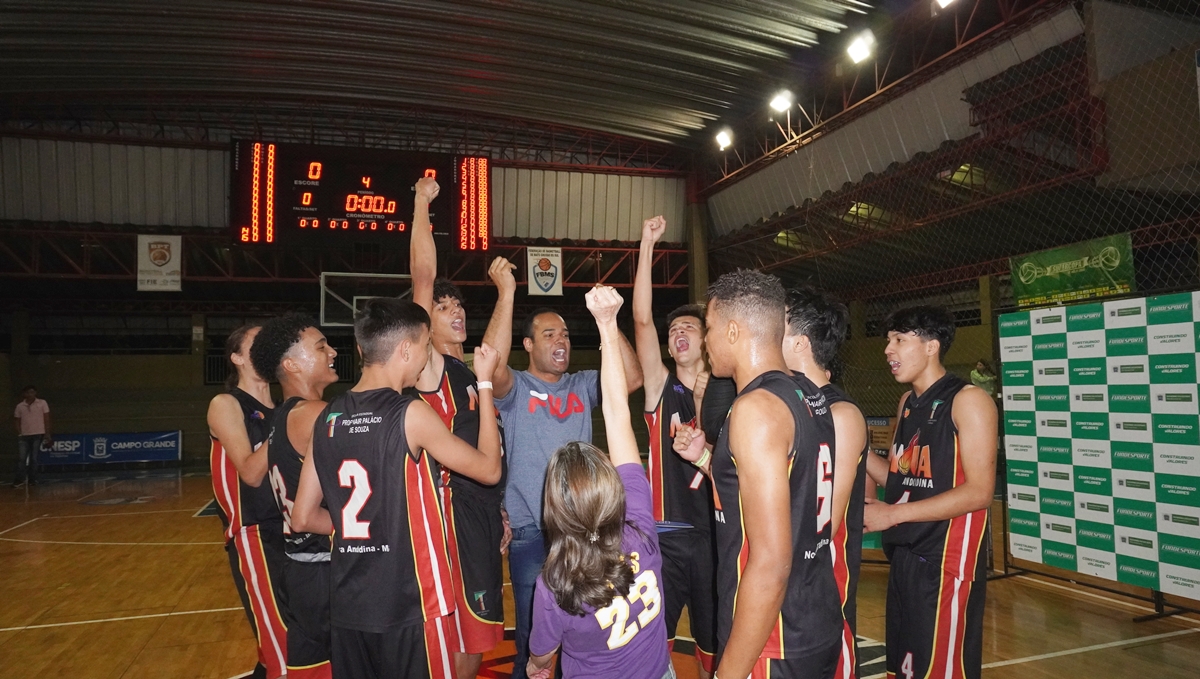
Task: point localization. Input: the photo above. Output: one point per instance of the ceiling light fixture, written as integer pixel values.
(860, 48)
(782, 101)
(724, 139)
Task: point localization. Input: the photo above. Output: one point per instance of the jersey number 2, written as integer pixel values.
(353, 475)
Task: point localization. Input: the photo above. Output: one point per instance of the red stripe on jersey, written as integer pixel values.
(442, 401)
(846, 664)
(964, 536)
(947, 658)
(440, 638)
(226, 489)
(427, 532)
(654, 465)
(272, 632)
(841, 567)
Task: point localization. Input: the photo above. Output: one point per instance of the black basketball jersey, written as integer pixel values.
(680, 492)
(810, 619)
(456, 401)
(238, 504)
(924, 463)
(283, 466)
(847, 541)
(391, 567)
(718, 397)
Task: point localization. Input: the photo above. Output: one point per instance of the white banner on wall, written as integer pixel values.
(544, 266)
(160, 263)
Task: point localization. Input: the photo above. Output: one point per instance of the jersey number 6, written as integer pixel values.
(353, 475)
(824, 487)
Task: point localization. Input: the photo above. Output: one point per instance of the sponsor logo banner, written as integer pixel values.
(155, 446)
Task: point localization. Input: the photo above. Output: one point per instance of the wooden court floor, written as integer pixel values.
(115, 577)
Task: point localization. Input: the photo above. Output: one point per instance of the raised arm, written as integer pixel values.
(226, 424)
(499, 329)
(604, 302)
(649, 351)
(975, 419)
(760, 429)
(629, 360)
(424, 429)
(422, 253)
(850, 435)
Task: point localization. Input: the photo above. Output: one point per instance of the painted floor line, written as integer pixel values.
(2, 532)
(129, 617)
(1128, 604)
(113, 544)
(1088, 649)
(101, 515)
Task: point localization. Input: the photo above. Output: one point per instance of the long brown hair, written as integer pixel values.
(584, 512)
(233, 344)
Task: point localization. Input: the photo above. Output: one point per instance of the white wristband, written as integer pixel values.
(480, 386)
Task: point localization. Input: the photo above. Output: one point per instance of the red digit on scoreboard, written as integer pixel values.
(314, 170)
(306, 198)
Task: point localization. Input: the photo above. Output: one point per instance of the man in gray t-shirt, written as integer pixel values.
(542, 408)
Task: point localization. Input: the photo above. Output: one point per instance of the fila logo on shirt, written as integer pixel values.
(554, 405)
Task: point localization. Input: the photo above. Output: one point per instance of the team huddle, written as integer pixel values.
(366, 534)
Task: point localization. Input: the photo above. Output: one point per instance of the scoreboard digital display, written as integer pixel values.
(304, 194)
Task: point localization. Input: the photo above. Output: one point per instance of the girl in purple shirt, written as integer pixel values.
(599, 596)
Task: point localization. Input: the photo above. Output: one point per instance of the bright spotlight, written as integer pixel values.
(860, 48)
(943, 3)
(724, 139)
(782, 101)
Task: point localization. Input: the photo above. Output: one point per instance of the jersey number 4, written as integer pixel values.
(616, 614)
(353, 475)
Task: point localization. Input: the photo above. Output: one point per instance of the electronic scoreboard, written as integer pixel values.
(321, 195)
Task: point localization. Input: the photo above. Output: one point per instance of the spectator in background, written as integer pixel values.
(32, 418)
(984, 377)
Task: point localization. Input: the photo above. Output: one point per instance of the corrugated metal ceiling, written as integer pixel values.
(653, 70)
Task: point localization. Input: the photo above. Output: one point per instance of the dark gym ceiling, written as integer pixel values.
(660, 70)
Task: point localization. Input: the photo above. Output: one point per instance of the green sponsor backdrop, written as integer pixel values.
(1102, 433)
(1095, 268)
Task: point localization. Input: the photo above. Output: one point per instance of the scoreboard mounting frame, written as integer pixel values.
(300, 194)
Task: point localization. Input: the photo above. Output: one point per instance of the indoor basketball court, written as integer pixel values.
(1010, 186)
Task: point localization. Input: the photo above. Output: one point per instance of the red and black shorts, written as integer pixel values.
(421, 651)
(819, 665)
(257, 561)
(934, 620)
(688, 573)
(306, 611)
(474, 531)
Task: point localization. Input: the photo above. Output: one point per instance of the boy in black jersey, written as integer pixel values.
(477, 531)
(237, 426)
(773, 471)
(681, 494)
(815, 330)
(939, 484)
(374, 461)
(291, 349)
